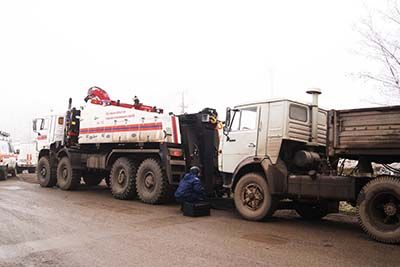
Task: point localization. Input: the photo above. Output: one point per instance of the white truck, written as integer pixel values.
(272, 155)
(135, 148)
(27, 157)
(8, 156)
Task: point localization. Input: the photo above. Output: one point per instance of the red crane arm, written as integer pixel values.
(98, 96)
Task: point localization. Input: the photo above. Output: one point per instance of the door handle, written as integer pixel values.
(252, 145)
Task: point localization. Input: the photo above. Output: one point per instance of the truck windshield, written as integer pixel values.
(40, 124)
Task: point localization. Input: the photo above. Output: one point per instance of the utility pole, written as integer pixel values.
(183, 106)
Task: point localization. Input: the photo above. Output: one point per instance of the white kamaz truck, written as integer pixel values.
(135, 148)
(271, 155)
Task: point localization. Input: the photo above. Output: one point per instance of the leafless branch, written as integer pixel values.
(381, 45)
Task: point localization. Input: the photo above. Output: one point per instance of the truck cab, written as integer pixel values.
(263, 144)
(49, 129)
(260, 129)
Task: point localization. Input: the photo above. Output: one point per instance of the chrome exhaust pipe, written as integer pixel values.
(315, 92)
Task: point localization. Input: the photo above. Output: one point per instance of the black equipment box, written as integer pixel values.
(196, 209)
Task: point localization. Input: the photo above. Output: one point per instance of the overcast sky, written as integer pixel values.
(221, 53)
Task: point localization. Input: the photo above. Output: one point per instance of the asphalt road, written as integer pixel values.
(50, 227)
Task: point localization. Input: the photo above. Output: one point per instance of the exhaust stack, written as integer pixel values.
(315, 92)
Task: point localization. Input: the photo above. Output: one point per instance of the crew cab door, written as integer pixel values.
(241, 140)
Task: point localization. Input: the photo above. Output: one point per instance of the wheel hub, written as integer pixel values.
(121, 177)
(65, 173)
(149, 180)
(253, 196)
(390, 209)
(43, 172)
(385, 210)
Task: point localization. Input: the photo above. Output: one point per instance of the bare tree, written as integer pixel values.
(381, 35)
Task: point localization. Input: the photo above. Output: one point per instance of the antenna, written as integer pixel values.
(183, 106)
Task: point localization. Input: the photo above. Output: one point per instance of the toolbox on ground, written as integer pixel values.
(196, 209)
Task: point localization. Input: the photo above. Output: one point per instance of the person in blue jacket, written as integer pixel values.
(190, 188)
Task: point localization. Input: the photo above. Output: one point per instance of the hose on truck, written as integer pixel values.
(392, 169)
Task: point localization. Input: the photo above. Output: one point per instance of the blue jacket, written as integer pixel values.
(190, 189)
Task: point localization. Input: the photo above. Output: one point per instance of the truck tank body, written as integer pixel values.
(114, 124)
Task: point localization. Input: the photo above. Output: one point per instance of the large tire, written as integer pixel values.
(3, 174)
(20, 170)
(151, 183)
(123, 179)
(67, 177)
(92, 179)
(378, 209)
(312, 212)
(13, 172)
(46, 175)
(253, 199)
(107, 179)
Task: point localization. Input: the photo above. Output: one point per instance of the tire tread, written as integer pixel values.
(383, 179)
(130, 191)
(164, 193)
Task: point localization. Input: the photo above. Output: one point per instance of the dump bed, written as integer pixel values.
(368, 132)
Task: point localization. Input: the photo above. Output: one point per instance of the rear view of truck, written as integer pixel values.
(370, 135)
(27, 157)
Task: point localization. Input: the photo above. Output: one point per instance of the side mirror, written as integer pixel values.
(17, 152)
(227, 121)
(228, 117)
(34, 125)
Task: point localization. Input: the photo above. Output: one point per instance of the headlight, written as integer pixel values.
(175, 152)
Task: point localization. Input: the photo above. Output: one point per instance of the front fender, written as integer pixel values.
(73, 155)
(276, 174)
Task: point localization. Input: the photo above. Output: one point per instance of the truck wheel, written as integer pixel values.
(108, 181)
(151, 182)
(67, 177)
(252, 198)
(19, 169)
(378, 209)
(92, 179)
(123, 179)
(310, 211)
(45, 174)
(3, 174)
(13, 173)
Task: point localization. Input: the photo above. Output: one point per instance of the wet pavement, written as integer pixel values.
(50, 227)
